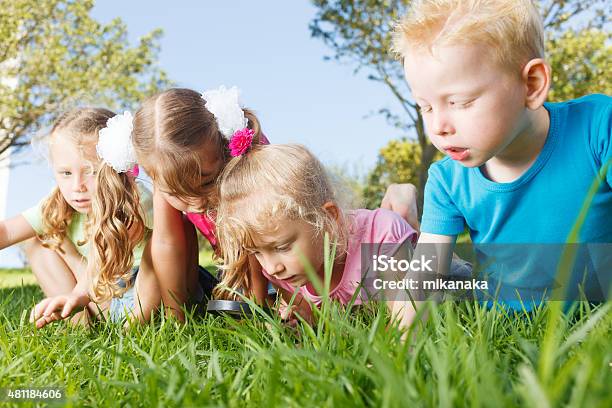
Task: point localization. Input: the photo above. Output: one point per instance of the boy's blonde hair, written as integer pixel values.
(170, 129)
(115, 225)
(512, 29)
(256, 190)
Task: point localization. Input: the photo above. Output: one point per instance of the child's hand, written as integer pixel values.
(300, 308)
(57, 308)
(287, 316)
(402, 199)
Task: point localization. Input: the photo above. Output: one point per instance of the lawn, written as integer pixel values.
(466, 355)
(11, 278)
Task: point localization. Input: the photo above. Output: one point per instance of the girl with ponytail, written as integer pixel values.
(182, 140)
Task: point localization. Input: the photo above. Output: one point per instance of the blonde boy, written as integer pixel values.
(517, 169)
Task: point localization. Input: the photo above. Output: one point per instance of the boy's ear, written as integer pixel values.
(332, 209)
(536, 76)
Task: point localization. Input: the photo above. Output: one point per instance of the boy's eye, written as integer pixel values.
(424, 109)
(460, 104)
(66, 173)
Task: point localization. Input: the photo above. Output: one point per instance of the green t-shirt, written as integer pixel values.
(76, 227)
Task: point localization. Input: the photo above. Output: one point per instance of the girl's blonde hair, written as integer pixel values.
(115, 225)
(266, 184)
(81, 126)
(512, 29)
(170, 129)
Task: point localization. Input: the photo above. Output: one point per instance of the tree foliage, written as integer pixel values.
(54, 56)
(581, 63)
(359, 33)
(398, 162)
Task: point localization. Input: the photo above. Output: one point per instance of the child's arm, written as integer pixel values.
(402, 199)
(60, 307)
(169, 254)
(259, 282)
(15, 230)
(438, 248)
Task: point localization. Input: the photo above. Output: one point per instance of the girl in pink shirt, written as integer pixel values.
(277, 203)
(181, 138)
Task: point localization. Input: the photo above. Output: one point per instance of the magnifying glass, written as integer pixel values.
(234, 308)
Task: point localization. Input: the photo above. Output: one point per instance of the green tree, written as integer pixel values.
(359, 33)
(54, 55)
(398, 162)
(581, 63)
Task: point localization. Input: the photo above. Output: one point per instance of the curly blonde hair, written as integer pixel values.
(268, 182)
(115, 225)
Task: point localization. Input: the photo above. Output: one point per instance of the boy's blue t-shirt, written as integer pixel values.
(541, 206)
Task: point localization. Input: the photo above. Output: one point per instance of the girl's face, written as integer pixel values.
(181, 205)
(282, 251)
(74, 174)
(212, 162)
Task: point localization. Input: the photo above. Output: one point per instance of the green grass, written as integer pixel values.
(10, 278)
(465, 355)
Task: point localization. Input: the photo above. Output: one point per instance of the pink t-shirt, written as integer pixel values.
(375, 227)
(206, 224)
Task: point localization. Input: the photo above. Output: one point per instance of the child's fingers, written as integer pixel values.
(287, 312)
(293, 322)
(38, 309)
(40, 323)
(55, 304)
(44, 320)
(69, 307)
(33, 314)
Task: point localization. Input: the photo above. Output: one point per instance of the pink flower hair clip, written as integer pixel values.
(241, 142)
(224, 104)
(134, 171)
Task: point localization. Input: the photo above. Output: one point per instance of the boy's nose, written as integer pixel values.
(441, 125)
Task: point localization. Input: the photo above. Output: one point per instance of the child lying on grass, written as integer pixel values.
(277, 203)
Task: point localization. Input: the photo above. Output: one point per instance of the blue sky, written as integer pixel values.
(263, 47)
